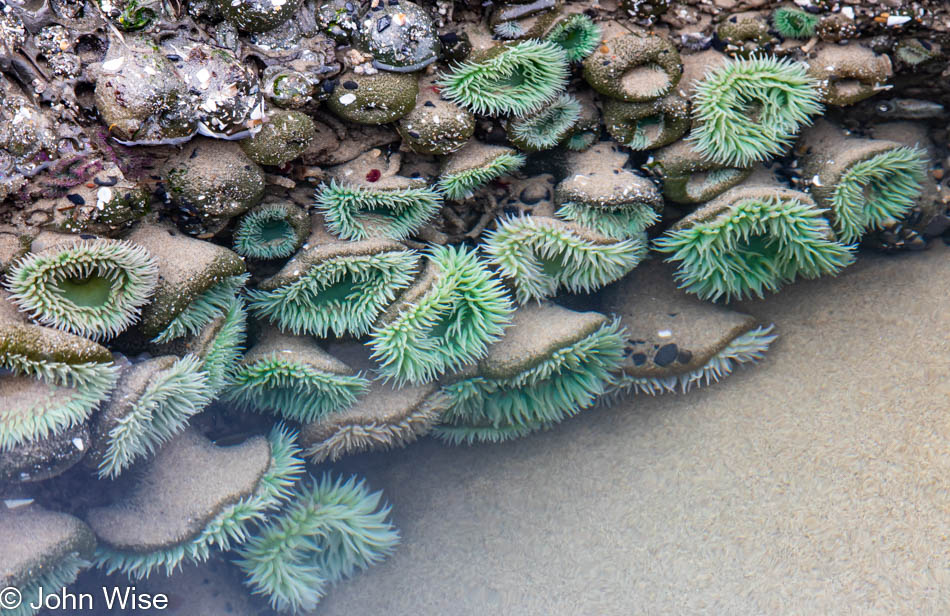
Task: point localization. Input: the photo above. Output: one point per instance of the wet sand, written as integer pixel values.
(816, 482)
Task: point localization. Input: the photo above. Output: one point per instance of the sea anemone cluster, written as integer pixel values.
(232, 252)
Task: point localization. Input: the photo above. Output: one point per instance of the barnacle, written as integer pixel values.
(516, 79)
(751, 110)
(445, 320)
(93, 288)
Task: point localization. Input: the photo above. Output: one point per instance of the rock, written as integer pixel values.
(400, 35)
(45, 458)
(285, 136)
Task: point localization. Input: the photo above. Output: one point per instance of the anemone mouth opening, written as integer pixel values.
(275, 231)
(648, 130)
(847, 88)
(645, 80)
(760, 246)
(702, 181)
(553, 265)
(446, 320)
(336, 294)
(515, 81)
(754, 110)
(92, 291)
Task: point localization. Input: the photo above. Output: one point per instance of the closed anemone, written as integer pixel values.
(91, 288)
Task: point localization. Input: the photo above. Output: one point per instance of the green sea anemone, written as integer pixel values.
(691, 178)
(93, 288)
(508, 30)
(221, 353)
(51, 380)
(751, 110)
(214, 302)
(154, 401)
(645, 126)
(293, 377)
(331, 529)
(674, 340)
(197, 280)
(338, 287)
(749, 347)
(616, 203)
(475, 165)
(356, 213)
(230, 526)
(271, 231)
(863, 182)
(793, 23)
(577, 35)
(46, 550)
(546, 128)
(457, 299)
(515, 79)
(875, 190)
(751, 240)
(382, 419)
(634, 68)
(534, 378)
(537, 255)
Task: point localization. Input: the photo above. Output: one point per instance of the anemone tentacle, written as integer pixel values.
(357, 213)
(214, 302)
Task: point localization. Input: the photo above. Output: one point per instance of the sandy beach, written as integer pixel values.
(814, 483)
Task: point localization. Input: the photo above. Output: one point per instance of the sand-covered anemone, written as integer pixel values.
(551, 364)
(645, 126)
(515, 79)
(546, 128)
(524, 20)
(675, 341)
(197, 281)
(93, 288)
(293, 377)
(863, 182)
(383, 418)
(794, 23)
(617, 203)
(194, 497)
(335, 287)
(634, 68)
(274, 229)
(586, 131)
(331, 529)
(377, 98)
(751, 110)
(474, 166)
(689, 177)
(357, 212)
(42, 549)
(435, 125)
(849, 74)
(752, 239)
(538, 255)
(577, 34)
(445, 320)
(152, 403)
(744, 34)
(51, 380)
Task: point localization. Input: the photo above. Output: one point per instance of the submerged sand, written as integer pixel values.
(814, 483)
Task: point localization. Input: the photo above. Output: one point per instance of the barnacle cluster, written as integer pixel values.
(235, 235)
